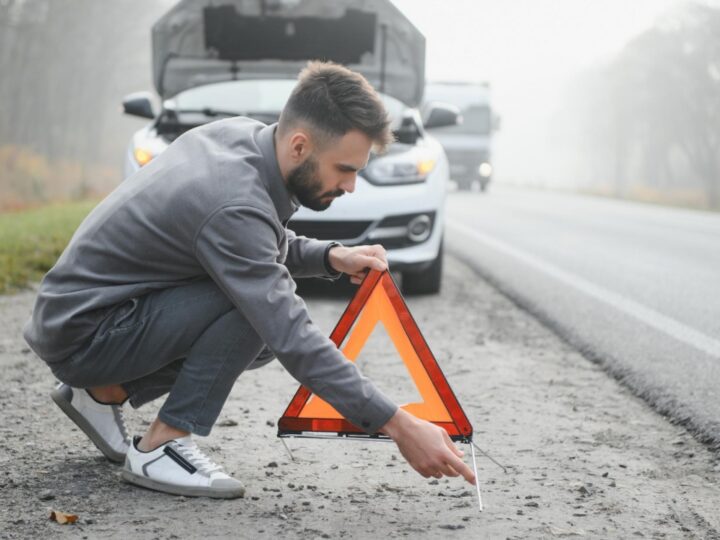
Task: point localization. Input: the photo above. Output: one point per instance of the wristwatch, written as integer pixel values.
(334, 274)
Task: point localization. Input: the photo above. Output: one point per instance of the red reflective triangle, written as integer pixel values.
(379, 300)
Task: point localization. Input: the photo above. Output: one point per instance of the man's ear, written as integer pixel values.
(300, 145)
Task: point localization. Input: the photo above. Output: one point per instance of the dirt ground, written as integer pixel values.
(585, 458)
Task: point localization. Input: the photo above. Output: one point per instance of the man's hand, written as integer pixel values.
(356, 261)
(426, 447)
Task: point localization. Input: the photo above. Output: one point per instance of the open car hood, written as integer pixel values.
(201, 42)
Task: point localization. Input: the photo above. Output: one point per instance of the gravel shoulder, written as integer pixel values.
(585, 457)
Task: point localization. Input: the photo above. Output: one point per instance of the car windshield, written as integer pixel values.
(475, 121)
(261, 96)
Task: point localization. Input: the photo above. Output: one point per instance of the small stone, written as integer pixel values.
(270, 423)
(272, 464)
(532, 504)
(451, 527)
(605, 474)
(227, 423)
(46, 495)
(433, 482)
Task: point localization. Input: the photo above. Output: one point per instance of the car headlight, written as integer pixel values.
(142, 156)
(485, 169)
(411, 167)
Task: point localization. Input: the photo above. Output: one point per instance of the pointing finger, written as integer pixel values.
(457, 464)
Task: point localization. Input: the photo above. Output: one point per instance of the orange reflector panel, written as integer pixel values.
(379, 300)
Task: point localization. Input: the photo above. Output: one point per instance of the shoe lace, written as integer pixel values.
(198, 458)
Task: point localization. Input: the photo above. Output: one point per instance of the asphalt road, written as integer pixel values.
(635, 287)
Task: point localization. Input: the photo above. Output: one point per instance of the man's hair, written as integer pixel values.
(331, 100)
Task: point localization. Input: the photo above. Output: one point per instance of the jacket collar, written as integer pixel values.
(285, 203)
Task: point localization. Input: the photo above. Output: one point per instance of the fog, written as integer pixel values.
(559, 69)
(612, 97)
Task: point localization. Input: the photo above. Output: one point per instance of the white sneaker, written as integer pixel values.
(180, 468)
(102, 423)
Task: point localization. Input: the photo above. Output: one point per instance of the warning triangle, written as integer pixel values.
(378, 300)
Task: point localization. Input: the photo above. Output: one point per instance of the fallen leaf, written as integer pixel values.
(62, 517)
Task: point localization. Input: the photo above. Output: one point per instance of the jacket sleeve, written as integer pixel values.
(238, 247)
(307, 257)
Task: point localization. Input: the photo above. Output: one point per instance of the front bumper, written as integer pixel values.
(407, 249)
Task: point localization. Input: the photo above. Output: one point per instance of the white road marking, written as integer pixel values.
(648, 316)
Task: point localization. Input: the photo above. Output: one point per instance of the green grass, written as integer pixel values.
(32, 240)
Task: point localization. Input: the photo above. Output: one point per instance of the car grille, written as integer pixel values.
(466, 156)
(329, 230)
(464, 163)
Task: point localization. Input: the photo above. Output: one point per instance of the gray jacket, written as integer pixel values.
(213, 204)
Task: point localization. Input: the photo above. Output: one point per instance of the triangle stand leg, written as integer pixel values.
(477, 477)
(287, 449)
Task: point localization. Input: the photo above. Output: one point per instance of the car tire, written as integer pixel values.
(427, 281)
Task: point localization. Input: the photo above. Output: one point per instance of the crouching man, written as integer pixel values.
(182, 278)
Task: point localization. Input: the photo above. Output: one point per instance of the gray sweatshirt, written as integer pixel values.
(213, 204)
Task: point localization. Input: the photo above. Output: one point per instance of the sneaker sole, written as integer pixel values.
(72, 413)
(188, 491)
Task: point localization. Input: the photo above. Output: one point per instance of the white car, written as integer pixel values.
(216, 59)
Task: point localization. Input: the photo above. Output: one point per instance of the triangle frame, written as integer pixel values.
(297, 423)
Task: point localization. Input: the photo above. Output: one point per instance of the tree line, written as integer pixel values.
(648, 120)
(64, 69)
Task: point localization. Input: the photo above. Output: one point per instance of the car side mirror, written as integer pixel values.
(139, 104)
(441, 115)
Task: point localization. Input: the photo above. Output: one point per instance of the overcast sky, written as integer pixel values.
(520, 43)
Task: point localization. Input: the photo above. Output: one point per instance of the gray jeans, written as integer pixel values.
(189, 341)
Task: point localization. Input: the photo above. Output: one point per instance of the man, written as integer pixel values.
(182, 278)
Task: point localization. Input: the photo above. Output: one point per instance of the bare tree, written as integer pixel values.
(64, 69)
(651, 116)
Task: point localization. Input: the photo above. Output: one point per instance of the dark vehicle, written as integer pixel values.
(468, 145)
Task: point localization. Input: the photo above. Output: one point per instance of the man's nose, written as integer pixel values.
(348, 184)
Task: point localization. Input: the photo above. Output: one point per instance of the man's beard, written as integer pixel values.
(302, 182)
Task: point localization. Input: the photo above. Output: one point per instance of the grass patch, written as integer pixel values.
(32, 240)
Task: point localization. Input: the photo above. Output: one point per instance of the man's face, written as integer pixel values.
(331, 172)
